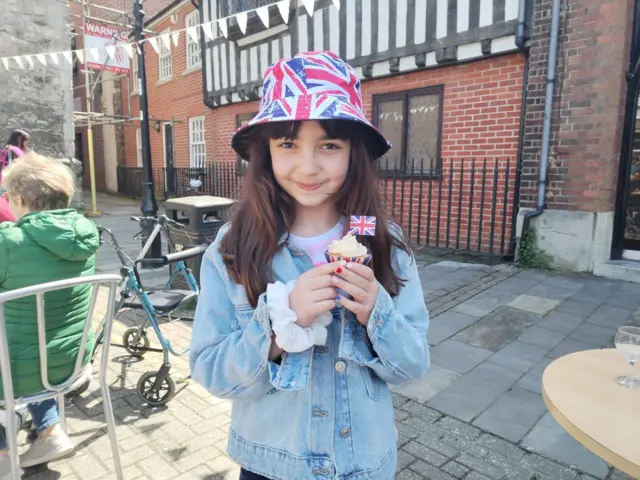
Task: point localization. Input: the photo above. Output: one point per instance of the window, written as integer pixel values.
(164, 60)
(193, 48)
(134, 73)
(139, 147)
(231, 7)
(197, 145)
(412, 121)
(241, 119)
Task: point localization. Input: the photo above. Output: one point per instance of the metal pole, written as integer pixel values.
(149, 205)
(87, 89)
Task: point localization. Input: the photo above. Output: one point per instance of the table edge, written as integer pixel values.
(591, 444)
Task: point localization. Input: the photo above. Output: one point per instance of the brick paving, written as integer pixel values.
(478, 415)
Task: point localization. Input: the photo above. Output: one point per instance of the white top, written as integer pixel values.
(316, 246)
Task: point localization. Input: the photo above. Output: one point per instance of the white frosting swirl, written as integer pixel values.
(348, 246)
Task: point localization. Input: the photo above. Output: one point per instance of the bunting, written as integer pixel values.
(164, 41)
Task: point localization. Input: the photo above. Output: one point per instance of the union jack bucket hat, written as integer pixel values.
(310, 86)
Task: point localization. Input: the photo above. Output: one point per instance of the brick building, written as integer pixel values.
(444, 86)
(591, 216)
(108, 88)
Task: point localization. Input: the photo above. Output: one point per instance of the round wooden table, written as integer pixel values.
(581, 393)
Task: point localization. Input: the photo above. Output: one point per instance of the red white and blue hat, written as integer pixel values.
(310, 86)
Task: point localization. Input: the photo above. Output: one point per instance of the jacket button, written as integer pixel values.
(345, 432)
(340, 366)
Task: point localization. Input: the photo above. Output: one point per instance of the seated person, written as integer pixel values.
(48, 242)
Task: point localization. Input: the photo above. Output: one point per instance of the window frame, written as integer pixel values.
(192, 120)
(134, 73)
(190, 43)
(164, 53)
(405, 96)
(138, 148)
(240, 167)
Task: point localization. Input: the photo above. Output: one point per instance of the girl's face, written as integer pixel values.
(311, 167)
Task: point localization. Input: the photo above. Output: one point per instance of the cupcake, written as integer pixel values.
(348, 249)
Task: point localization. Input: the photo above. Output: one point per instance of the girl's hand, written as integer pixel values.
(359, 282)
(313, 294)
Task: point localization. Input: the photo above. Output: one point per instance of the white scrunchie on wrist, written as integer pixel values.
(290, 336)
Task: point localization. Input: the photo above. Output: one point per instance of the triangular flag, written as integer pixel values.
(54, 58)
(308, 4)
(138, 48)
(284, 7)
(193, 34)
(29, 60)
(95, 54)
(68, 56)
(154, 43)
(263, 13)
(166, 41)
(5, 62)
(128, 48)
(242, 18)
(222, 23)
(336, 3)
(79, 54)
(208, 32)
(111, 51)
(42, 59)
(19, 61)
(175, 36)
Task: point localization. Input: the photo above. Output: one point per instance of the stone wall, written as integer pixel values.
(37, 99)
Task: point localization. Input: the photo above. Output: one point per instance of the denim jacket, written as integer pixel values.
(325, 413)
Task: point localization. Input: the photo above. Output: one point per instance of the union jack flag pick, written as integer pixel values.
(362, 225)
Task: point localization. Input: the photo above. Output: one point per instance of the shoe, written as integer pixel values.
(5, 468)
(45, 450)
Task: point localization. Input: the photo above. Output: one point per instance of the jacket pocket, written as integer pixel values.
(243, 316)
(371, 382)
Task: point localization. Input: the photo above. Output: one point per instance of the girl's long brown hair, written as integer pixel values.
(267, 212)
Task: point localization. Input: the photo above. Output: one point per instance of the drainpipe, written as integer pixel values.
(546, 129)
(203, 48)
(521, 28)
(522, 36)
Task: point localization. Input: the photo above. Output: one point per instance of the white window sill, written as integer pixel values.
(189, 70)
(163, 81)
(135, 93)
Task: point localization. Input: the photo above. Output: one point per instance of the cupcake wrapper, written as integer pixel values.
(364, 259)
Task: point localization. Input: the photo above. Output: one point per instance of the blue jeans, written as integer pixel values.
(43, 414)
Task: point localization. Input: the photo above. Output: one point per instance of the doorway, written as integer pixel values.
(169, 172)
(626, 232)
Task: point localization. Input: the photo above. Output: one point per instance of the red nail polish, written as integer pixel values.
(339, 270)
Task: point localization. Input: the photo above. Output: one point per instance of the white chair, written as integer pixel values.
(79, 373)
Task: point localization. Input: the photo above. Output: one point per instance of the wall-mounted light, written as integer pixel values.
(158, 126)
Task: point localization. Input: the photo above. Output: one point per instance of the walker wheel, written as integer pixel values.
(80, 390)
(155, 398)
(135, 341)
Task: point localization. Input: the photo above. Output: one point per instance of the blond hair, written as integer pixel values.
(41, 183)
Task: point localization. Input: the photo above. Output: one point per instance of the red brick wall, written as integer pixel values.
(179, 99)
(480, 121)
(593, 52)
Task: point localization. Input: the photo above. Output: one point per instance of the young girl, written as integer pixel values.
(321, 409)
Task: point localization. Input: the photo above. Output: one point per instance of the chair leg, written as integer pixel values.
(62, 413)
(11, 434)
(111, 427)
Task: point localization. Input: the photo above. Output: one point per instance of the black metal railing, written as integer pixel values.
(457, 204)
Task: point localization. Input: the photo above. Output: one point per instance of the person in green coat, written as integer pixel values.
(48, 242)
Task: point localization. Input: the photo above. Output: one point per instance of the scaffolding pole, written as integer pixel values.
(87, 89)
